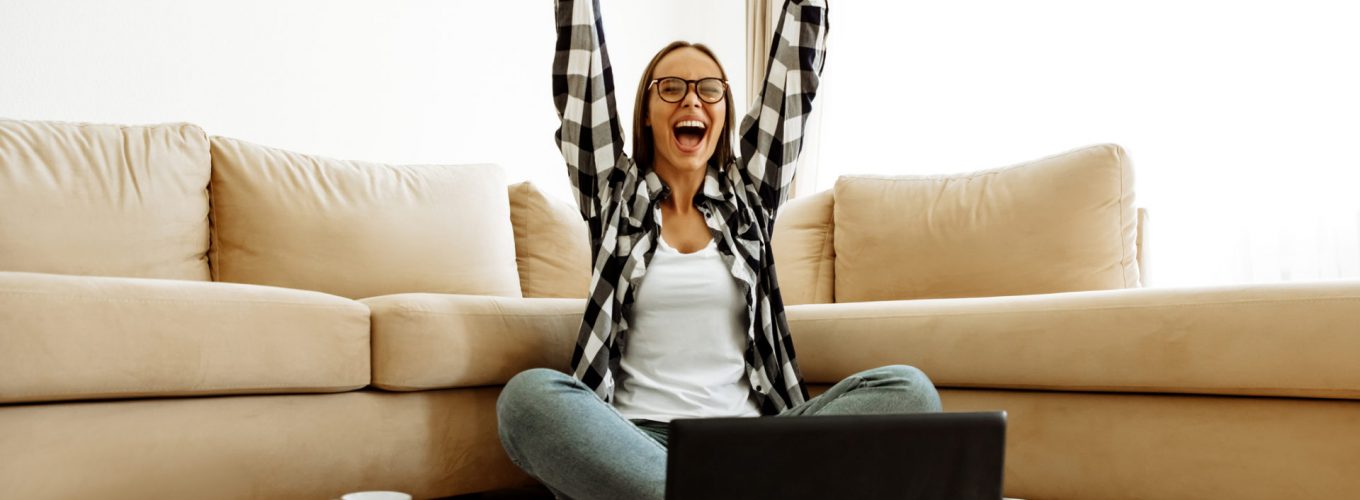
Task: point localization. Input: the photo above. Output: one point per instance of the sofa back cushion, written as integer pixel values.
(803, 250)
(359, 229)
(552, 244)
(1062, 223)
(104, 200)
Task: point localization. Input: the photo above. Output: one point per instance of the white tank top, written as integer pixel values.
(686, 337)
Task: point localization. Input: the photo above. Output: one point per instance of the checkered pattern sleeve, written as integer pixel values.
(590, 137)
(772, 131)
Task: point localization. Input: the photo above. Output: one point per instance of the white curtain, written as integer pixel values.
(759, 29)
(1240, 117)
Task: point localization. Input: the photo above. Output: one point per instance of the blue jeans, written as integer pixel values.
(558, 431)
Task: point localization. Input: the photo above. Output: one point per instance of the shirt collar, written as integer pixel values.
(714, 188)
(656, 190)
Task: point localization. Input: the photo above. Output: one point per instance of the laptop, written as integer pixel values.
(920, 456)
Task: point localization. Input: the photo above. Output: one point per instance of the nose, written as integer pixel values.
(691, 98)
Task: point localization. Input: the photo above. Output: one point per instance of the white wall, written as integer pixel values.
(1240, 117)
(399, 81)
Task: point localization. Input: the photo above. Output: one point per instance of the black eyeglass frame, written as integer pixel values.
(690, 84)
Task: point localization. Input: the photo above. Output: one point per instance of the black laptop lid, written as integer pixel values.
(922, 456)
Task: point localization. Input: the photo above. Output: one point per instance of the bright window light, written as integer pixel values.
(1241, 118)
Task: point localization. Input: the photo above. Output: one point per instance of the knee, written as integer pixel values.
(919, 394)
(524, 392)
(901, 375)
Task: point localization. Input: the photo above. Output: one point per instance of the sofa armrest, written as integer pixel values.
(80, 337)
(1292, 339)
(435, 341)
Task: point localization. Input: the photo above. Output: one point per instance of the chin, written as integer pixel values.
(688, 163)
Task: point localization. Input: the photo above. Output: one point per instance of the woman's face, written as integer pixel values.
(685, 133)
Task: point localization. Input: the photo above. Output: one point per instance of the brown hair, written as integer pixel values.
(643, 148)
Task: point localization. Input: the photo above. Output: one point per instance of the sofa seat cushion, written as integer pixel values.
(73, 337)
(104, 200)
(1288, 340)
(434, 341)
(358, 229)
(1060, 224)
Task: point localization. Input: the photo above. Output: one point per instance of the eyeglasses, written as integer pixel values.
(673, 89)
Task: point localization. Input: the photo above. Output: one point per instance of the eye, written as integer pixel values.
(711, 89)
(671, 88)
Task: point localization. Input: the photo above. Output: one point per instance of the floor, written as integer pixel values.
(527, 493)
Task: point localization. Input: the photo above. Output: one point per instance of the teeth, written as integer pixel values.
(691, 123)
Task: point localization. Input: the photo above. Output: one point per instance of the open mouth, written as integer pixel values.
(689, 135)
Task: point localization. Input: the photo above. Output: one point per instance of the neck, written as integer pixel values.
(684, 184)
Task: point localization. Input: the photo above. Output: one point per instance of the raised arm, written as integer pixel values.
(772, 131)
(590, 137)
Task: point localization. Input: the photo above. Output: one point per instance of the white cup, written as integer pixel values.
(376, 495)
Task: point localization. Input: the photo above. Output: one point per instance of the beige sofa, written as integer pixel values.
(185, 316)
(1112, 390)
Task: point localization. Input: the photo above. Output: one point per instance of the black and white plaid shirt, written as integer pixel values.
(619, 200)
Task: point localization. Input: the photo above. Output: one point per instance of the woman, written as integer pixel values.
(685, 318)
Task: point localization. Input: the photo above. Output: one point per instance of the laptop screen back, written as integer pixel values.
(938, 455)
